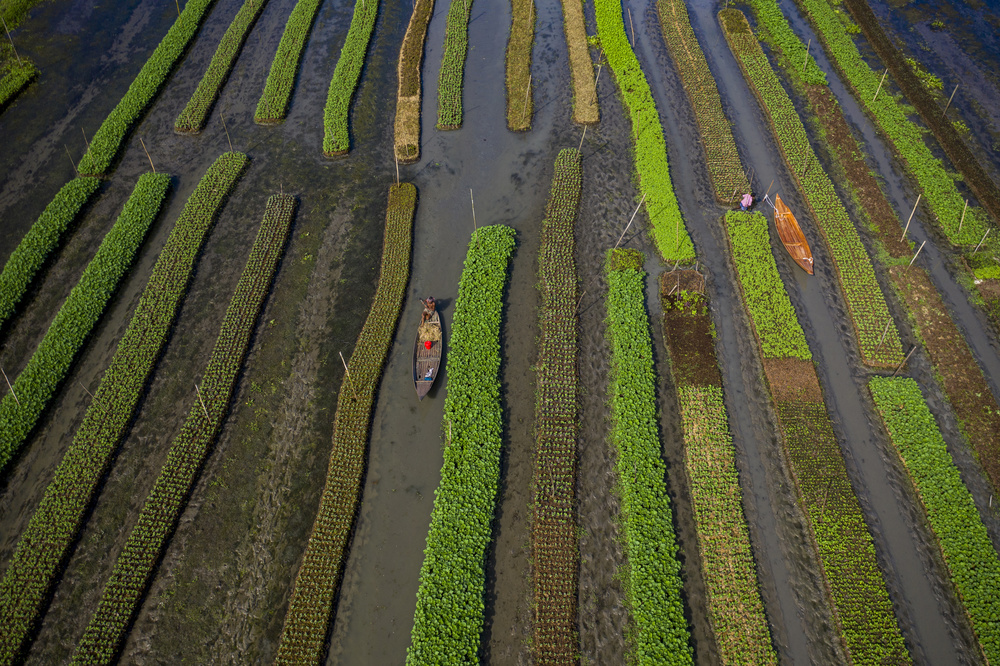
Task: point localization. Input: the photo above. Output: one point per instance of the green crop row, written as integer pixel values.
(791, 51)
(336, 140)
(724, 167)
(41, 240)
(108, 139)
(456, 47)
(308, 618)
(520, 102)
(411, 56)
(138, 559)
(195, 115)
(46, 542)
(273, 102)
(668, 230)
(661, 634)
(449, 618)
(553, 533)
(16, 78)
(968, 551)
(855, 273)
(906, 137)
(853, 579)
(21, 408)
(771, 312)
(734, 604)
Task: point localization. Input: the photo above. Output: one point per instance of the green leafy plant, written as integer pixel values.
(48, 366)
(668, 231)
(661, 633)
(308, 618)
(968, 551)
(195, 114)
(15, 76)
(44, 236)
(46, 543)
(273, 103)
(107, 140)
(449, 616)
(450, 79)
(336, 140)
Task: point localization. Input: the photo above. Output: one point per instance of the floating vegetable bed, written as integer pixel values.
(450, 79)
(336, 140)
(449, 618)
(520, 105)
(307, 621)
(581, 67)
(138, 560)
(16, 78)
(43, 548)
(411, 56)
(273, 102)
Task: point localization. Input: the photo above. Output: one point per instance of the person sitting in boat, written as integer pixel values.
(746, 202)
(429, 307)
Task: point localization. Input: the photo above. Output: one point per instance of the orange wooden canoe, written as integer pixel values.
(791, 235)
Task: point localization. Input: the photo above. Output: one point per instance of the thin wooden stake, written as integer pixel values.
(805, 166)
(965, 208)
(806, 59)
(580, 148)
(177, 2)
(735, 190)
(203, 408)
(882, 339)
(71, 160)
(598, 77)
(147, 154)
(880, 84)
(10, 387)
(903, 362)
(769, 188)
(983, 240)
(473, 210)
(914, 257)
(349, 380)
(906, 228)
(527, 92)
(395, 159)
(632, 26)
(630, 220)
(11, 44)
(85, 389)
(86, 143)
(227, 131)
(949, 100)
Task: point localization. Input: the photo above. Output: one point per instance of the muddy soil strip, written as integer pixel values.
(853, 580)
(307, 621)
(57, 521)
(868, 310)
(737, 611)
(137, 562)
(520, 100)
(408, 94)
(554, 548)
(972, 171)
(581, 67)
(194, 116)
(728, 177)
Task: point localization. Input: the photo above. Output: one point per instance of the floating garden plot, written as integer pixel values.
(450, 79)
(43, 548)
(449, 616)
(107, 140)
(411, 56)
(273, 102)
(968, 551)
(554, 544)
(16, 78)
(520, 105)
(336, 140)
(42, 239)
(879, 346)
(308, 619)
(728, 178)
(735, 608)
(21, 408)
(906, 137)
(195, 115)
(581, 67)
(856, 589)
(138, 560)
(668, 231)
(660, 633)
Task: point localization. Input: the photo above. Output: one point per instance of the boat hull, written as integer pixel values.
(427, 362)
(791, 236)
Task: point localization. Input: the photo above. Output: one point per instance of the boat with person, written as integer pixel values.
(791, 235)
(427, 354)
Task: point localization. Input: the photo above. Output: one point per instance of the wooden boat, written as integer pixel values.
(791, 235)
(427, 362)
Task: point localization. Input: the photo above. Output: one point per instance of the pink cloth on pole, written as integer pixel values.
(747, 200)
